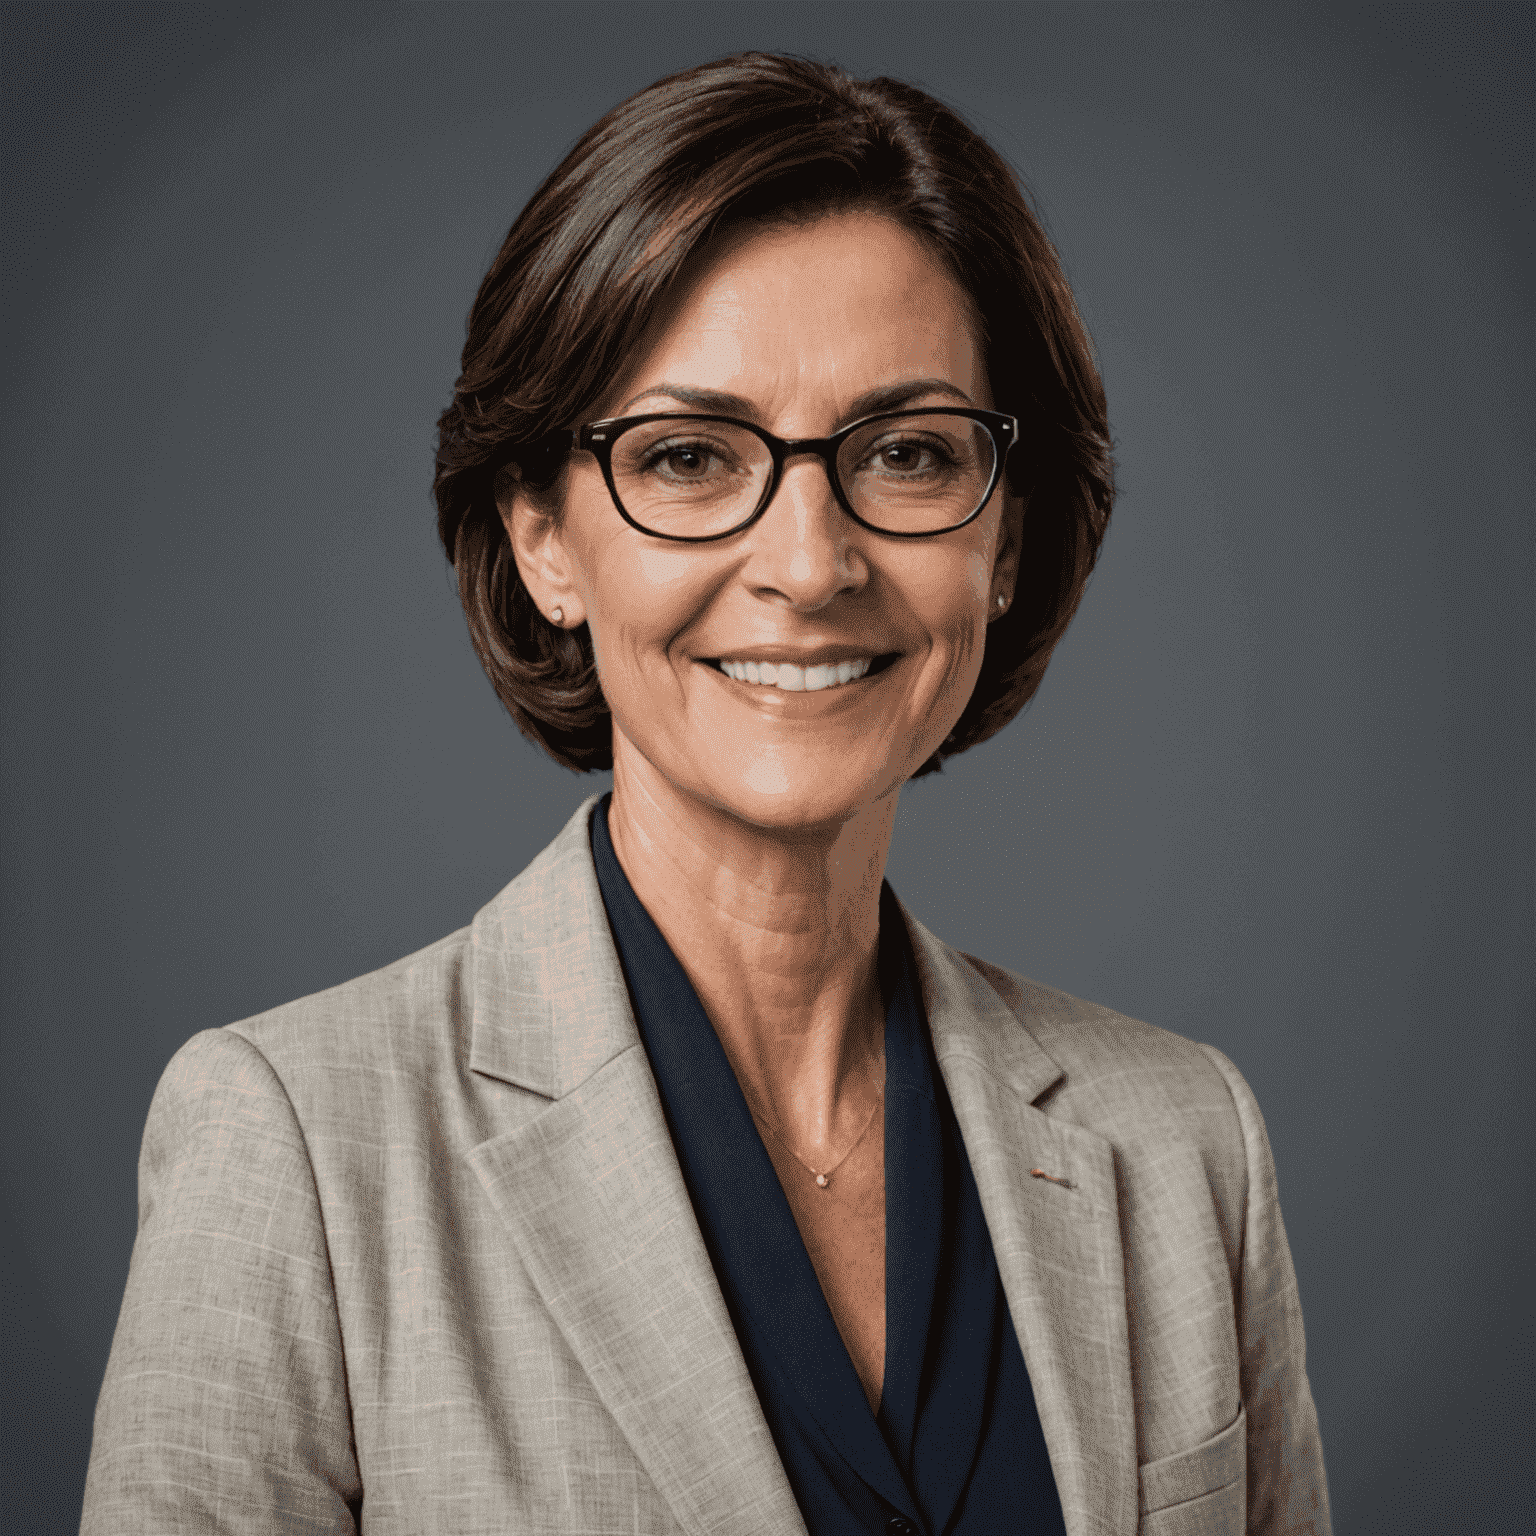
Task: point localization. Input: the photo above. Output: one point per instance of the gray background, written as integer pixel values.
(1275, 794)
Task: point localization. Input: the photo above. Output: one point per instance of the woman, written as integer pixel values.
(695, 1186)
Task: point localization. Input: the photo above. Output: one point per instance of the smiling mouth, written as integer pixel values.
(792, 679)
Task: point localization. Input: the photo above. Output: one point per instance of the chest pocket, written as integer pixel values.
(1199, 1492)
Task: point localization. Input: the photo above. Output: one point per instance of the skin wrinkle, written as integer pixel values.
(755, 824)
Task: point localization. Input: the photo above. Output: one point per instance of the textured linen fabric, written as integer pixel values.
(957, 1445)
(415, 1255)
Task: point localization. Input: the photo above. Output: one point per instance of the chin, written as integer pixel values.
(798, 799)
(803, 787)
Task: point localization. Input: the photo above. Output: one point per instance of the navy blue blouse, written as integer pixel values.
(956, 1448)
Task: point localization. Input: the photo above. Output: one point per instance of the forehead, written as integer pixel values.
(806, 316)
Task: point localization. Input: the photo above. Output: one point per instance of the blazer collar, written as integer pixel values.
(596, 1206)
(1056, 1238)
(595, 1203)
(548, 1004)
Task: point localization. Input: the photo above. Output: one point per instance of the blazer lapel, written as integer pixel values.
(595, 1203)
(1057, 1244)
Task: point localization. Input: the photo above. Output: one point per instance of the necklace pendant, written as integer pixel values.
(822, 1181)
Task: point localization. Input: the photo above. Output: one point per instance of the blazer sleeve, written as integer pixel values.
(1287, 1486)
(224, 1408)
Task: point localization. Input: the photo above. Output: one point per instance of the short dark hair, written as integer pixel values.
(759, 137)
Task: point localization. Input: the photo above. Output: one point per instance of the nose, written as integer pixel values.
(804, 550)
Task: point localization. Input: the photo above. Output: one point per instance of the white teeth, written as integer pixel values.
(793, 679)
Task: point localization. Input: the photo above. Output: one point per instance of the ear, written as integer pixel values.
(538, 545)
(1005, 561)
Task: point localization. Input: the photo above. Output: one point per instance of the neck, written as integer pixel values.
(778, 932)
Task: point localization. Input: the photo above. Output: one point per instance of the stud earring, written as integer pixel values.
(1002, 602)
(557, 614)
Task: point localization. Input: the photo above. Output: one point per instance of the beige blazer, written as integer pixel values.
(415, 1256)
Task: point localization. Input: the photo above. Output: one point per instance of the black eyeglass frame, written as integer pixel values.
(598, 438)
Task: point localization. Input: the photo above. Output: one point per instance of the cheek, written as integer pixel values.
(948, 602)
(638, 604)
(961, 628)
(978, 578)
(662, 580)
(957, 601)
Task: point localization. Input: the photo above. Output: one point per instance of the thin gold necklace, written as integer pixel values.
(823, 1175)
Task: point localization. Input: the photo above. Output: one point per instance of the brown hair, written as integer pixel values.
(758, 137)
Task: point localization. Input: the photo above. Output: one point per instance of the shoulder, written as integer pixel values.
(1142, 1087)
(415, 1008)
(404, 1046)
(1109, 1057)
(349, 1054)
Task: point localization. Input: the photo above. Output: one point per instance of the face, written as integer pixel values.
(806, 329)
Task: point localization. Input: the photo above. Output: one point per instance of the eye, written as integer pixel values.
(688, 460)
(908, 456)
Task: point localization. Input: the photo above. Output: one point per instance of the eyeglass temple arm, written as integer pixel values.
(540, 460)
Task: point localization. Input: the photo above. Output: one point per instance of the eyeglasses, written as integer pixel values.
(906, 474)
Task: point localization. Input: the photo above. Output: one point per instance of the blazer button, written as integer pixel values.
(899, 1525)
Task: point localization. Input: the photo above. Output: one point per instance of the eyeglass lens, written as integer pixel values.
(692, 478)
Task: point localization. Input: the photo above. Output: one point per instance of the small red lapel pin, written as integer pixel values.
(1040, 1173)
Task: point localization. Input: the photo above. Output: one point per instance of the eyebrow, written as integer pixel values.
(888, 397)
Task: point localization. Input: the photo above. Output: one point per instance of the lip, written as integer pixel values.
(785, 705)
(788, 704)
(880, 662)
(817, 656)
